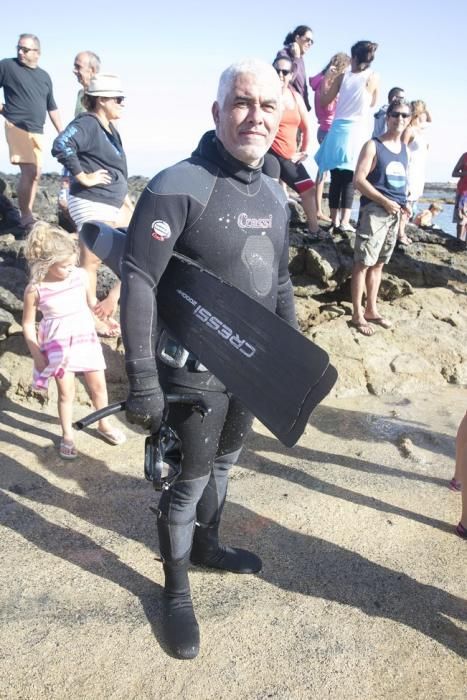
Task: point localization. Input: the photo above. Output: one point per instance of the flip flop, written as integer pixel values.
(362, 328)
(68, 450)
(114, 436)
(404, 240)
(380, 321)
(455, 485)
(461, 531)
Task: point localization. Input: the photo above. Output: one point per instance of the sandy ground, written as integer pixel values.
(361, 594)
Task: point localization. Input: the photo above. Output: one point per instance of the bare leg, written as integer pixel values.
(91, 263)
(461, 230)
(335, 217)
(95, 381)
(27, 188)
(345, 217)
(373, 282)
(402, 236)
(66, 395)
(309, 207)
(461, 465)
(319, 197)
(105, 308)
(359, 275)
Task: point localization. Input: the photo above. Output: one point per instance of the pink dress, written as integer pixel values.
(66, 332)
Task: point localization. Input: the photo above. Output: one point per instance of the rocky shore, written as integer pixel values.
(422, 293)
(362, 591)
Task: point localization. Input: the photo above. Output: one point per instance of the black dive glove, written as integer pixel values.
(146, 403)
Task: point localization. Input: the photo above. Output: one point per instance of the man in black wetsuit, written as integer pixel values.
(220, 210)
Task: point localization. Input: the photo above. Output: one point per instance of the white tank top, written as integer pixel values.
(354, 99)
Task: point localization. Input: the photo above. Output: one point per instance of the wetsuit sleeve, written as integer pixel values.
(285, 307)
(157, 223)
(68, 144)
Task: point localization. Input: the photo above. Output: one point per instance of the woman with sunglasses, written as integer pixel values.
(296, 44)
(357, 89)
(91, 149)
(284, 147)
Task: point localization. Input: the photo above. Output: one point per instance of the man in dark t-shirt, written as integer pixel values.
(28, 96)
(381, 177)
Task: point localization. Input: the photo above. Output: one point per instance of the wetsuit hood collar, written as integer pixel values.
(210, 148)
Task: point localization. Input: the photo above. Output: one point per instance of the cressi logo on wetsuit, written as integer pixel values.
(214, 323)
(160, 230)
(244, 221)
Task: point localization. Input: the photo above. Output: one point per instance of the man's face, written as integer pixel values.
(248, 120)
(398, 118)
(27, 52)
(83, 70)
(399, 95)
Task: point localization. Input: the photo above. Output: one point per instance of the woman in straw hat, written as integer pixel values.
(91, 149)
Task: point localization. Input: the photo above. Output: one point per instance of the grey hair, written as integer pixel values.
(34, 38)
(253, 66)
(93, 59)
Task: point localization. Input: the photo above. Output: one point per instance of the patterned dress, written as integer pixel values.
(66, 332)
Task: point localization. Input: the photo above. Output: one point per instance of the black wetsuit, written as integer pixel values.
(232, 220)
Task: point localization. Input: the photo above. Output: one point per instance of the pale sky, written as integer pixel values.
(170, 55)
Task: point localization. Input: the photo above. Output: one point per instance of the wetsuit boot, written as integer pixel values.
(180, 626)
(207, 551)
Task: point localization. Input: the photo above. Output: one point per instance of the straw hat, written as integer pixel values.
(105, 85)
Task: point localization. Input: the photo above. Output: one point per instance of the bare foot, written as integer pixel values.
(379, 321)
(362, 327)
(404, 240)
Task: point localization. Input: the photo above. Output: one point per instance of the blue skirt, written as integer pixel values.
(341, 146)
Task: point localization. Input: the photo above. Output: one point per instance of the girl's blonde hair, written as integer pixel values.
(418, 107)
(340, 61)
(46, 245)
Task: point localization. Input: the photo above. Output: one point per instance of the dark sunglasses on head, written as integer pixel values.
(282, 71)
(404, 115)
(24, 49)
(119, 99)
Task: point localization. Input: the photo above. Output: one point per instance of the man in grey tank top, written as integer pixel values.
(381, 177)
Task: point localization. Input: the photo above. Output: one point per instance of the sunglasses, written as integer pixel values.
(404, 115)
(119, 100)
(24, 49)
(308, 40)
(282, 71)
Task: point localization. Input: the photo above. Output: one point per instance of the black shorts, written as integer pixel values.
(295, 175)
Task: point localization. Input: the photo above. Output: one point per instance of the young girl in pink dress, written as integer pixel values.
(65, 341)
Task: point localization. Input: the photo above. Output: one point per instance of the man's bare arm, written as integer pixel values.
(56, 119)
(366, 163)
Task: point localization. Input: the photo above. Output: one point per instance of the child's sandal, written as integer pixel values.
(68, 450)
